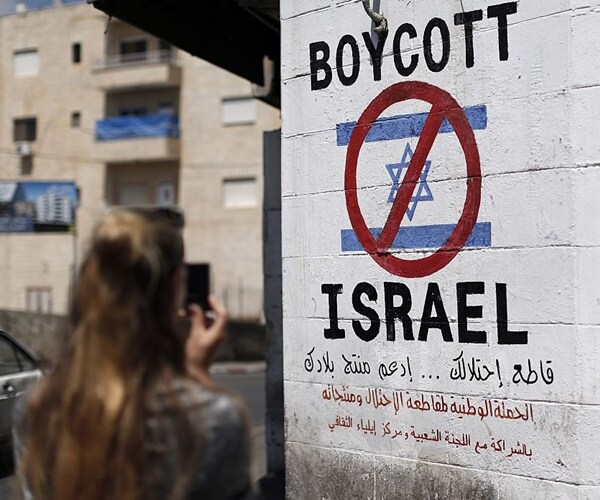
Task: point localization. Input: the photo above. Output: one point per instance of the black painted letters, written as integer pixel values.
(319, 64)
(375, 52)
(433, 300)
(502, 11)
(347, 68)
(334, 331)
(398, 302)
(366, 334)
(465, 312)
(404, 70)
(505, 336)
(467, 19)
(432, 64)
(339, 60)
(392, 312)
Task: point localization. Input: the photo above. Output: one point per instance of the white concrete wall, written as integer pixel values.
(443, 417)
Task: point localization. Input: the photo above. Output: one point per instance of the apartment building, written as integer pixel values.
(95, 113)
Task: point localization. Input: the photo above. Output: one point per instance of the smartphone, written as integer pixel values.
(198, 285)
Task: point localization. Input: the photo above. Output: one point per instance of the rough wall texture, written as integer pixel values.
(42, 334)
(440, 247)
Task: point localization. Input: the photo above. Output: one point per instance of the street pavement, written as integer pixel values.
(250, 384)
(247, 379)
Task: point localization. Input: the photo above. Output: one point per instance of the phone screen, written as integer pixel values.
(198, 285)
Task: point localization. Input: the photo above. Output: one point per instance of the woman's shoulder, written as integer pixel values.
(183, 394)
(214, 417)
(216, 423)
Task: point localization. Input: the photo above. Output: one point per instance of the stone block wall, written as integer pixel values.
(440, 249)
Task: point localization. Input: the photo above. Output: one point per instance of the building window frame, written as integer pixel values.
(38, 299)
(129, 42)
(166, 108)
(239, 192)
(234, 113)
(76, 53)
(25, 129)
(132, 192)
(26, 62)
(75, 119)
(130, 53)
(133, 110)
(165, 193)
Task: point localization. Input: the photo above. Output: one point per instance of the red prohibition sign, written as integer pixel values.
(443, 106)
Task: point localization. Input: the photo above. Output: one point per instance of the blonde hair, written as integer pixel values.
(85, 422)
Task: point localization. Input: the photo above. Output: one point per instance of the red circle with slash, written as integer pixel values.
(443, 106)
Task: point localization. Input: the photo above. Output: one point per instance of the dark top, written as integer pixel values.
(219, 445)
(221, 459)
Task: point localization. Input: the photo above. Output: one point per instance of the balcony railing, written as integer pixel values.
(136, 59)
(136, 127)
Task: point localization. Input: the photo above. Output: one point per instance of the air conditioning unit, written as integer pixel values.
(24, 149)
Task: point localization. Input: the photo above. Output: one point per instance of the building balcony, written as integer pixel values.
(137, 138)
(141, 69)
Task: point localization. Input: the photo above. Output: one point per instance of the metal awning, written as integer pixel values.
(235, 35)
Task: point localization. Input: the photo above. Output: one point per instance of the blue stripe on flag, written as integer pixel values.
(403, 126)
(422, 237)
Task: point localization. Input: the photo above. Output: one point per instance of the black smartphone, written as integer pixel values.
(198, 285)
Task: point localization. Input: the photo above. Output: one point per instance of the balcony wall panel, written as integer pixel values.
(142, 70)
(137, 150)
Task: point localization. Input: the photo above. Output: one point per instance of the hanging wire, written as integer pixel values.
(381, 24)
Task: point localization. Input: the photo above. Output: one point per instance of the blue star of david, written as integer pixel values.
(423, 191)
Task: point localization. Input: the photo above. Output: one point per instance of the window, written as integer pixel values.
(24, 129)
(8, 360)
(26, 62)
(132, 194)
(134, 46)
(238, 111)
(25, 362)
(164, 49)
(134, 50)
(166, 108)
(39, 300)
(133, 111)
(240, 193)
(76, 53)
(75, 119)
(165, 194)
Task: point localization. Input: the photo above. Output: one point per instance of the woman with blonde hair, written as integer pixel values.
(129, 411)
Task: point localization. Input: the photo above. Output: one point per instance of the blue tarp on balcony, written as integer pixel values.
(134, 127)
(10, 6)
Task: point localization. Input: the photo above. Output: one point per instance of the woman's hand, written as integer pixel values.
(205, 337)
